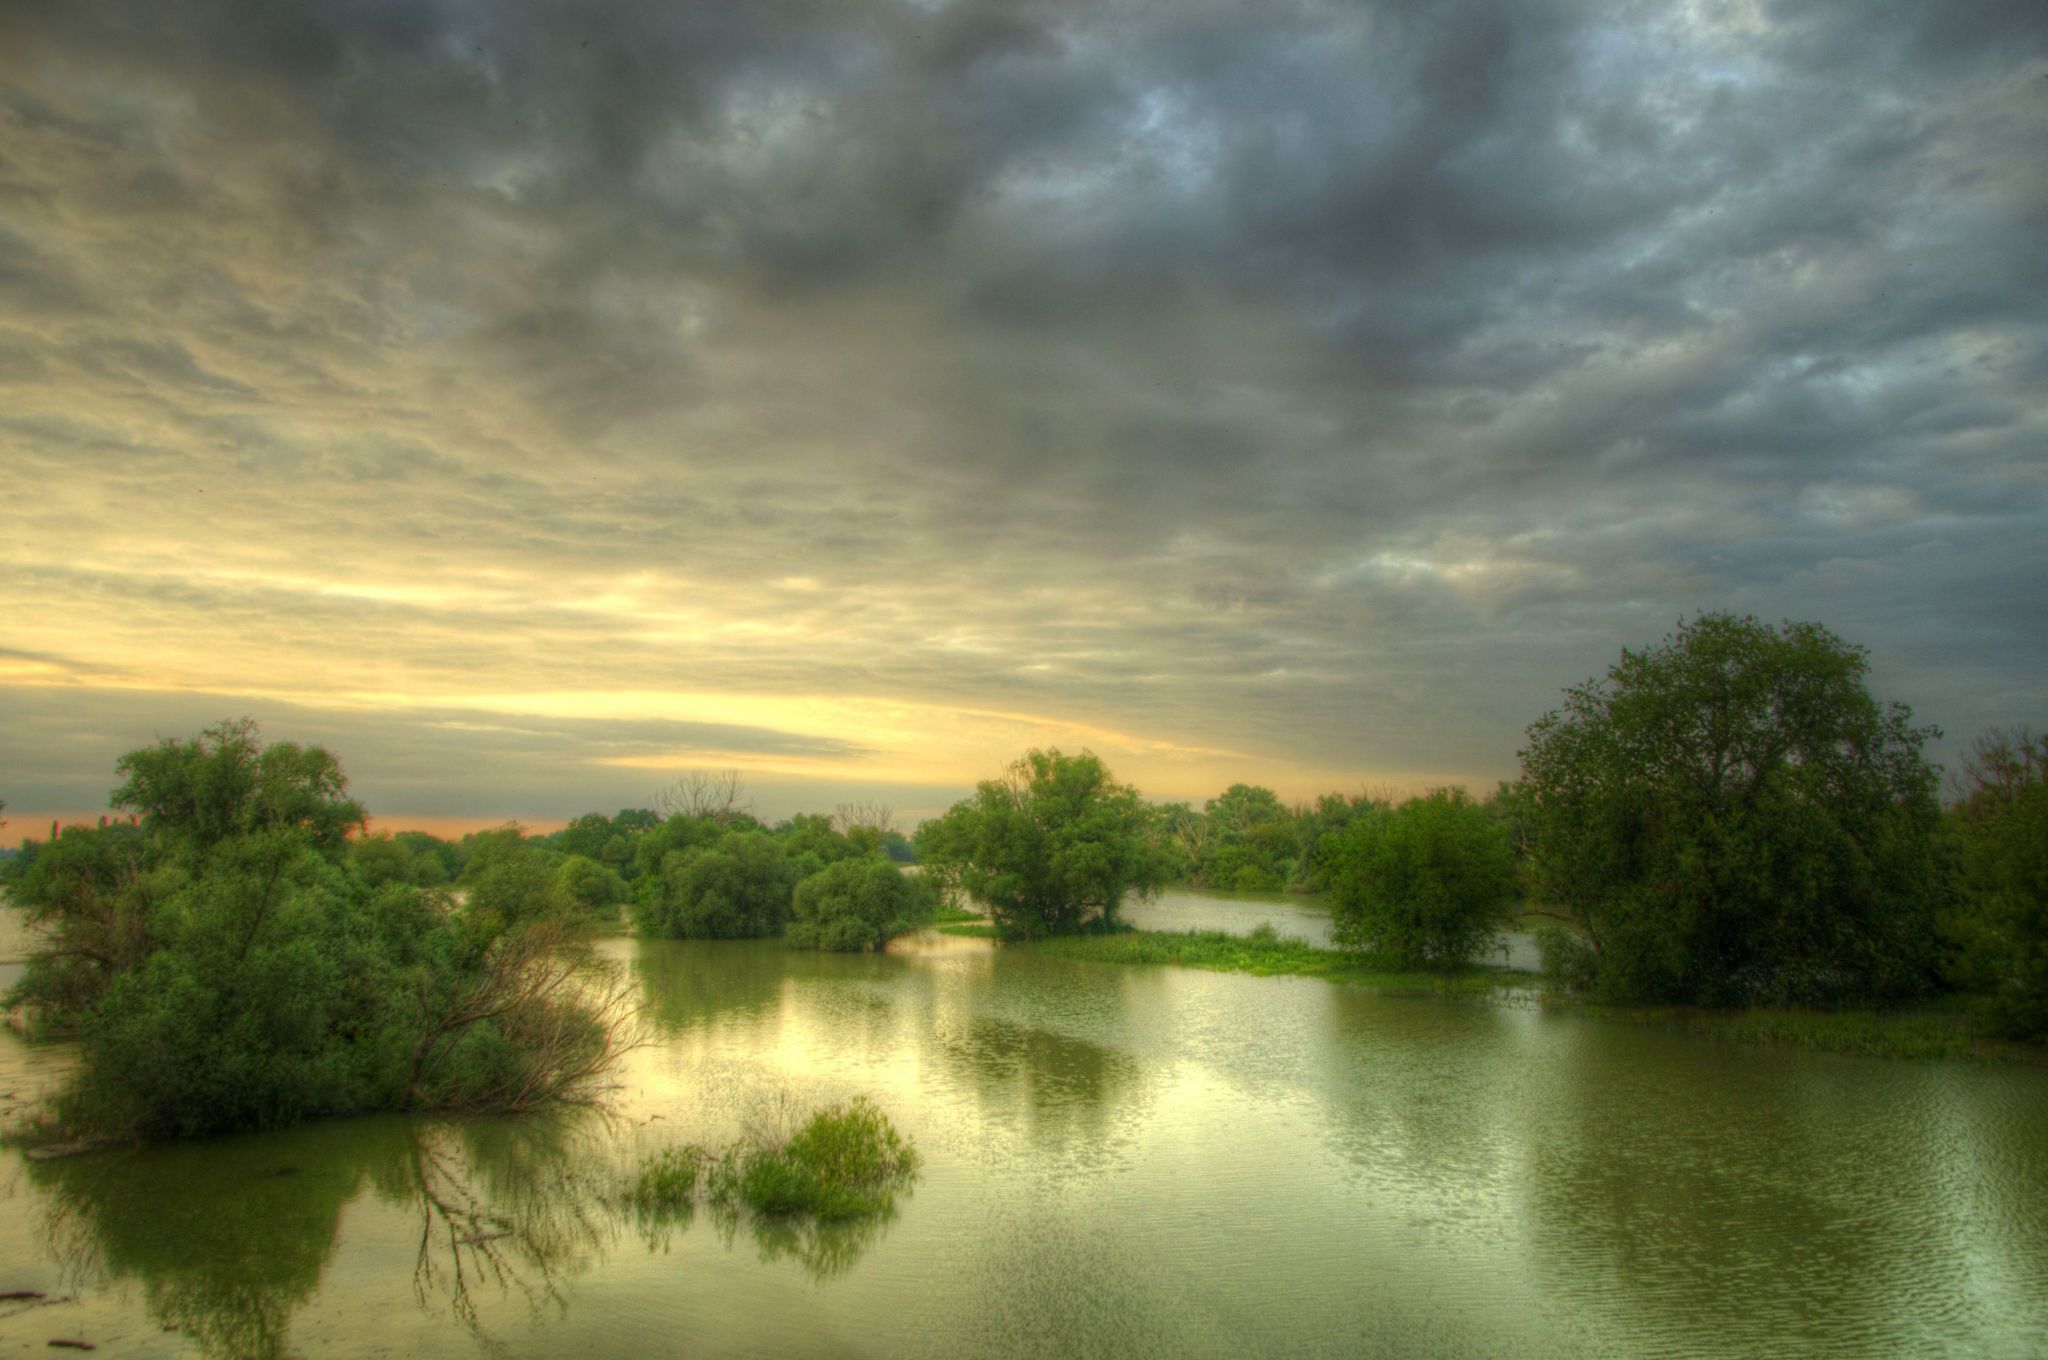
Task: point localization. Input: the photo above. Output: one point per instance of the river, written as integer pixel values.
(1117, 1162)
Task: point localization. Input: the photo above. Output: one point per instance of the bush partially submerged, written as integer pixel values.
(846, 1161)
(224, 967)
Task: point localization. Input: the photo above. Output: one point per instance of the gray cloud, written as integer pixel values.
(1326, 382)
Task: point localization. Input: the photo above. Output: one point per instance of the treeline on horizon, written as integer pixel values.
(1726, 819)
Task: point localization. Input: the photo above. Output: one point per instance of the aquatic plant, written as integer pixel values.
(845, 1161)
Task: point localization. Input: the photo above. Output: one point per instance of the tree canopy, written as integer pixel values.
(2000, 925)
(1730, 817)
(1051, 848)
(1424, 885)
(858, 904)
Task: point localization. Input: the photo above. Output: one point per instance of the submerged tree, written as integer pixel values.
(1051, 848)
(1730, 817)
(224, 966)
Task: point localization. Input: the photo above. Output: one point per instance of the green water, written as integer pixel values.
(1117, 1162)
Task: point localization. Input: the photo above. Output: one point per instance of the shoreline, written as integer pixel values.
(1932, 1031)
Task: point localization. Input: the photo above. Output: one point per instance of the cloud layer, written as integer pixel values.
(1299, 392)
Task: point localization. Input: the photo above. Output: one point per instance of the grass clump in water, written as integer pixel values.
(845, 1162)
(667, 1183)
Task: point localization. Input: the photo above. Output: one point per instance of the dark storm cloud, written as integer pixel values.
(1329, 381)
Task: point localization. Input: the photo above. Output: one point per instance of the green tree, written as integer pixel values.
(1052, 848)
(224, 966)
(859, 904)
(1425, 885)
(1253, 844)
(738, 888)
(1729, 817)
(2000, 926)
(592, 886)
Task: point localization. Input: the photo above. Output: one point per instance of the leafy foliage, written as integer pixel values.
(226, 964)
(1425, 885)
(858, 904)
(1730, 818)
(844, 1162)
(2000, 926)
(1052, 847)
(593, 887)
(737, 888)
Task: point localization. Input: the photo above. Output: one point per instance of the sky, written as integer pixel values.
(532, 401)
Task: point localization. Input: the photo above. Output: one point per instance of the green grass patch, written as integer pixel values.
(666, 1185)
(953, 916)
(847, 1161)
(1264, 954)
(973, 930)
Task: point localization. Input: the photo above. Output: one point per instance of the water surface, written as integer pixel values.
(1118, 1161)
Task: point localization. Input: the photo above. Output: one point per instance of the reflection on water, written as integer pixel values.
(229, 1238)
(1121, 1161)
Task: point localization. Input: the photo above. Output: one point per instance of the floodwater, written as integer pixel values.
(1117, 1162)
(1290, 915)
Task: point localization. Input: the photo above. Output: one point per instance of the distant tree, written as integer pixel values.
(1252, 843)
(812, 842)
(738, 888)
(585, 836)
(1729, 817)
(703, 795)
(1424, 885)
(379, 860)
(1320, 827)
(859, 904)
(1183, 833)
(2000, 926)
(1052, 848)
(592, 886)
(867, 815)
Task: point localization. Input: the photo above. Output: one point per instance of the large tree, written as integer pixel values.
(1730, 817)
(1051, 848)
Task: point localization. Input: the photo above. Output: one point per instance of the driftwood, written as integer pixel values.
(69, 1344)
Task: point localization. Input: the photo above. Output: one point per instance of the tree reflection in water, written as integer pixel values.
(229, 1238)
